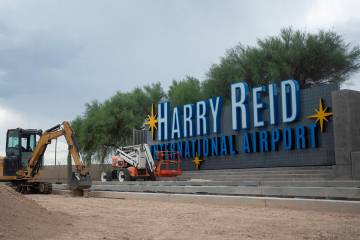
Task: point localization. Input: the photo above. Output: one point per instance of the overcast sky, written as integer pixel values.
(55, 56)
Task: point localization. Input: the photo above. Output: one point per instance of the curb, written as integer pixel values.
(339, 206)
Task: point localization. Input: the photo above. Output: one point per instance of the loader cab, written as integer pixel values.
(20, 144)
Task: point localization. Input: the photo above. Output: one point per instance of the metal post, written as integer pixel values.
(55, 149)
(134, 135)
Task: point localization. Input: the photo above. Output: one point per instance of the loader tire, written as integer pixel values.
(109, 176)
(124, 175)
(103, 176)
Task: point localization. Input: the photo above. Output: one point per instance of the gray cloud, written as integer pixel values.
(28, 67)
(57, 55)
(351, 33)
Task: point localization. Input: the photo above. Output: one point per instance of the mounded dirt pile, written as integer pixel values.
(23, 218)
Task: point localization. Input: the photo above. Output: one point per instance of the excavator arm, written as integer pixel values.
(81, 178)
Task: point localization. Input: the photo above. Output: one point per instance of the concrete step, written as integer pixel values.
(313, 183)
(313, 172)
(324, 205)
(259, 175)
(287, 183)
(255, 174)
(236, 179)
(275, 169)
(323, 171)
(281, 191)
(305, 188)
(256, 178)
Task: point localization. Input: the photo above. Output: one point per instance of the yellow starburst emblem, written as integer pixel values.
(321, 115)
(152, 121)
(197, 161)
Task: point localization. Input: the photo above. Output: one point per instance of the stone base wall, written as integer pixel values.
(346, 109)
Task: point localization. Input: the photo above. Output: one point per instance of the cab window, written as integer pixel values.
(24, 142)
(13, 141)
(32, 142)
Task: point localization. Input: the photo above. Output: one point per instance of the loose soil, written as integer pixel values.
(97, 218)
(23, 218)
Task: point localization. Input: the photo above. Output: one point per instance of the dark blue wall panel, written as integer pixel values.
(323, 155)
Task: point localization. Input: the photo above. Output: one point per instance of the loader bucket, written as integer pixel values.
(78, 182)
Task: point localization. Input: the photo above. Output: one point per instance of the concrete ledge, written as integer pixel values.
(270, 191)
(62, 192)
(287, 183)
(265, 202)
(348, 190)
(355, 165)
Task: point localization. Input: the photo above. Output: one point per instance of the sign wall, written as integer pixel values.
(264, 126)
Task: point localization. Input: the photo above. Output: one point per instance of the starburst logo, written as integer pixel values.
(321, 115)
(152, 121)
(197, 162)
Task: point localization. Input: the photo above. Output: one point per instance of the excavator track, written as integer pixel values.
(32, 187)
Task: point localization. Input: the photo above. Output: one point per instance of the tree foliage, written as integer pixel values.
(109, 124)
(311, 58)
(185, 91)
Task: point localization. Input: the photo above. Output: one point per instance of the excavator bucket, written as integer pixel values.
(78, 182)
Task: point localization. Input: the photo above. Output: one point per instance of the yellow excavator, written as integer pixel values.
(24, 158)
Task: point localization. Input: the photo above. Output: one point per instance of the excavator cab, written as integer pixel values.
(20, 144)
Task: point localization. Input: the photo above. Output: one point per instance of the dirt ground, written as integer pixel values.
(23, 218)
(97, 218)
